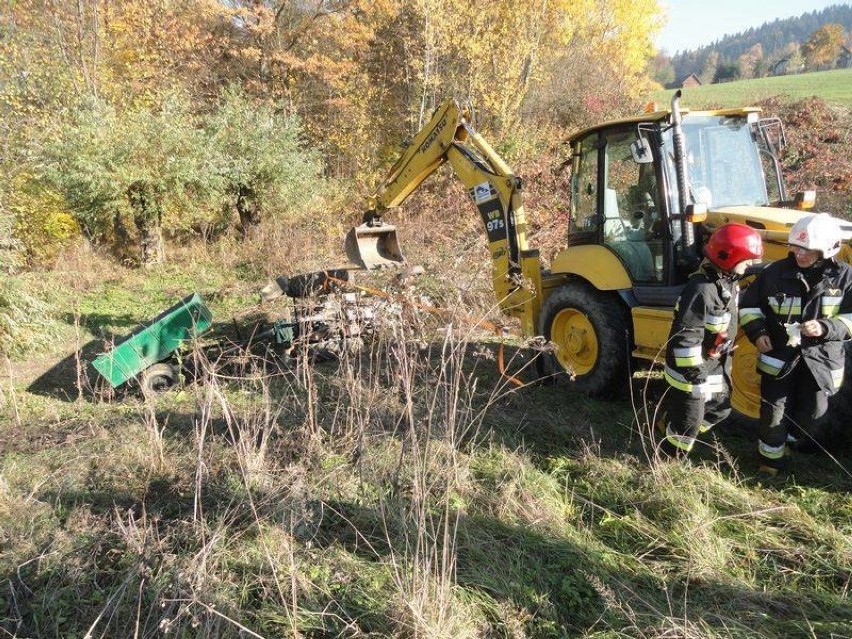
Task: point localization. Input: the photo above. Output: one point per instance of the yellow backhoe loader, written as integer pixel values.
(645, 192)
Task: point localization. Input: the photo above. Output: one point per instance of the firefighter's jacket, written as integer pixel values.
(705, 320)
(784, 295)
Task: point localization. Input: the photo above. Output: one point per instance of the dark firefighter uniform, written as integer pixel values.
(697, 357)
(806, 373)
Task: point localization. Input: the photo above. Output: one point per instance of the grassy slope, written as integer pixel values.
(833, 86)
(407, 492)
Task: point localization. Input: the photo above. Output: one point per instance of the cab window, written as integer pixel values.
(631, 224)
(584, 187)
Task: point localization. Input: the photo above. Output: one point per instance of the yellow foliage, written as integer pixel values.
(156, 45)
(493, 53)
(354, 71)
(42, 223)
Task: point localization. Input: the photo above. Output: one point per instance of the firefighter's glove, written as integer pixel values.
(794, 333)
(813, 328)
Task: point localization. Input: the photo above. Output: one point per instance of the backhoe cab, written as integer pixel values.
(645, 193)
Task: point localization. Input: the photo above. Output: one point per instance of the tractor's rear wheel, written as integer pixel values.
(589, 334)
(745, 394)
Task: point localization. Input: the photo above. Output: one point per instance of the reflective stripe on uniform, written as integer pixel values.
(770, 365)
(715, 383)
(789, 306)
(717, 323)
(837, 377)
(677, 380)
(750, 314)
(688, 356)
(771, 452)
(830, 305)
(683, 442)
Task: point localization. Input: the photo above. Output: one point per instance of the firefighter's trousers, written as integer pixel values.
(790, 404)
(686, 416)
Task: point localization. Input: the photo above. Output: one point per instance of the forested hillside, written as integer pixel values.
(761, 48)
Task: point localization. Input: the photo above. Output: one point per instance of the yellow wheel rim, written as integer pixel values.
(576, 341)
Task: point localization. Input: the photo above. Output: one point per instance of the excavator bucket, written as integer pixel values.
(373, 247)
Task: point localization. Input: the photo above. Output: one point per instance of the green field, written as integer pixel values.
(832, 86)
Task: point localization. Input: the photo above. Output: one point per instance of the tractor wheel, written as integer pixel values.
(589, 332)
(745, 394)
(158, 378)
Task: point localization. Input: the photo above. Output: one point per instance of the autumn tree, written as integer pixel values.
(309, 60)
(708, 70)
(824, 45)
(348, 66)
(57, 57)
(351, 73)
(40, 69)
(128, 175)
(599, 68)
(262, 166)
(751, 62)
(151, 48)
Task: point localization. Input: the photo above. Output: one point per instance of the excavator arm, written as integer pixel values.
(495, 190)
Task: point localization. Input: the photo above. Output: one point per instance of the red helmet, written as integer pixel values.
(733, 243)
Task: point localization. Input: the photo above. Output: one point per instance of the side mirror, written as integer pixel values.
(696, 212)
(805, 200)
(641, 151)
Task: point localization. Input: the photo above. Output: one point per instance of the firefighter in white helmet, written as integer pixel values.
(797, 312)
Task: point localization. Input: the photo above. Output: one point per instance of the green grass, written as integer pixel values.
(407, 492)
(833, 86)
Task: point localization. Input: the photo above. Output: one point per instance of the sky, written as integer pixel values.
(694, 23)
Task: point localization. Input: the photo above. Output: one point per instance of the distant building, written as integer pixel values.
(690, 81)
(782, 67)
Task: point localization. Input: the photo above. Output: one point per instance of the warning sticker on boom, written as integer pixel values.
(483, 191)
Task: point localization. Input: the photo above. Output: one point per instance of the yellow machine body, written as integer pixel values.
(633, 259)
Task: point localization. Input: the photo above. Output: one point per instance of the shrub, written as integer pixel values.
(41, 222)
(817, 155)
(10, 248)
(146, 165)
(262, 166)
(127, 177)
(25, 320)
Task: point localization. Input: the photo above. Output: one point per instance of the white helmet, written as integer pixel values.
(819, 232)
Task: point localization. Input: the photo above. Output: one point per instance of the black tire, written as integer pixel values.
(590, 334)
(158, 379)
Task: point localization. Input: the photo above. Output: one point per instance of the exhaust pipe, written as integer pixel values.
(687, 258)
(679, 152)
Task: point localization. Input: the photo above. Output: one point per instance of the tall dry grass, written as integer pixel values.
(402, 415)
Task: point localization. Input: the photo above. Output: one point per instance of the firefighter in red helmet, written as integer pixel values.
(700, 342)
